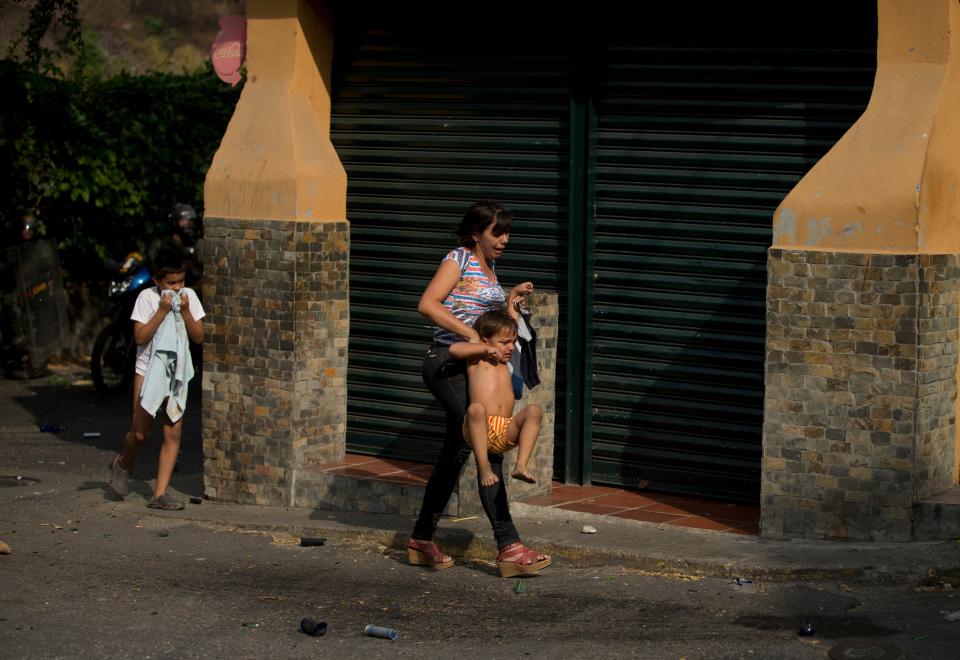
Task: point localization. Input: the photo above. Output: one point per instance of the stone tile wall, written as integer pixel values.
(937, 327)
(275, 354)
(328, 491)
(860, 407)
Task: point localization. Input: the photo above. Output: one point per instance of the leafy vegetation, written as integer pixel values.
(47, 16)
(100, 160)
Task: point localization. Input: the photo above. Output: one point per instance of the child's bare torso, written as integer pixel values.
(490, 385)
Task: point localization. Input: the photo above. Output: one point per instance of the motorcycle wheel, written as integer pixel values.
(111, 362)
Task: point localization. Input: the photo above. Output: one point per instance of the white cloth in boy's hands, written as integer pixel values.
(174, 299)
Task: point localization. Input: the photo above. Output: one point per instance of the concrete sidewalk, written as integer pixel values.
(645, 546)
(659, 549)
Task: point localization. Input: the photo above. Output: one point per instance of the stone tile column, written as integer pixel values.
(860, 409)
(275, 355)
(861, 388)
(276, 267)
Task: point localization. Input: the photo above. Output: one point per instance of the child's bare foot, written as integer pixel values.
(523, 474)
(488, 478)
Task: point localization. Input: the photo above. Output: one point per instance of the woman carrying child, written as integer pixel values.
(463, 288)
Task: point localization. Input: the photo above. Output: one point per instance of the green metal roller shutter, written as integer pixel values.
(424, 127)
(695, 149)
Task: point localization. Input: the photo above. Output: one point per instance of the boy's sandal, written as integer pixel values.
(426, 553)
(518, 559)
(119, 478)
(166, 503)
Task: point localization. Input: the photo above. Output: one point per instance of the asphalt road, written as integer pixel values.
(88, 578)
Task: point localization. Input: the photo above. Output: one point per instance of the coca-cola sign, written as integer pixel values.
(230, 48)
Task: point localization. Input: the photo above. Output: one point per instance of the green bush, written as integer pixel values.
(100, 162)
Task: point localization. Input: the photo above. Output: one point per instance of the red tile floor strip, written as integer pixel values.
(683, 511)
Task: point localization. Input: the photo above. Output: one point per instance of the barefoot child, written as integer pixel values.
(489, 425)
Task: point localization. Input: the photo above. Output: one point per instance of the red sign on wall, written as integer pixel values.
(230, 48)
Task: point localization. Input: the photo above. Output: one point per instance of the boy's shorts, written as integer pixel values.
(497, 442)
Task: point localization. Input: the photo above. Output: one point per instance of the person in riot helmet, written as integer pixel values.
(185, 232)
(18, 232)
(13, 326)
(186, 225)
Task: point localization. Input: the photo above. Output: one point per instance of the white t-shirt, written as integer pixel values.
(148, 302)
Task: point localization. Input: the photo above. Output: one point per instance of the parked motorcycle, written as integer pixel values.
(114, 351)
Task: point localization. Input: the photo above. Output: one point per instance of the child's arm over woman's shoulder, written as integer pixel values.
(463, 350)
(474, 353)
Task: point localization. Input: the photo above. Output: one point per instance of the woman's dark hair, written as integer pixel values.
(478, 217)
(492, 322)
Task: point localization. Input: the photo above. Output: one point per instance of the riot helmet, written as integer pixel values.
(185, 223)
(28, 228)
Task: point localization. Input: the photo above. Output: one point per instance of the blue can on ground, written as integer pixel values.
(380, 631)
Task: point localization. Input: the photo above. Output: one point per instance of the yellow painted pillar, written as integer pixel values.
(863, 302)
(889, 184)
(276, 270)
(276, 160)
(939, 203)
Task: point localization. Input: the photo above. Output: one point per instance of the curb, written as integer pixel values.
(468, 544)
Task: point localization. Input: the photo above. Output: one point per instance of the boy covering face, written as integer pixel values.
(152, 308)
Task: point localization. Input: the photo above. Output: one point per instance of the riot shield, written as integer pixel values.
(40, 298)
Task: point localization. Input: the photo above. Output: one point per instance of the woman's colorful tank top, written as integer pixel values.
(473, 295)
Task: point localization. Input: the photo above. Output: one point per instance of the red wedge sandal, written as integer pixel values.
(518, 559)
(426, 553)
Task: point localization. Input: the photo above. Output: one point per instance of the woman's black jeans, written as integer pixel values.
(446, 379)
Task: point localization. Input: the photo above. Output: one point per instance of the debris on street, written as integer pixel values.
(381, 631)
(284, 539)
(936, 582)
(676, 575)
(52, 428)
(464, 518)
(313, 627)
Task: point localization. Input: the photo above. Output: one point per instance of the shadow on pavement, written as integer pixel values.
(94, 429)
